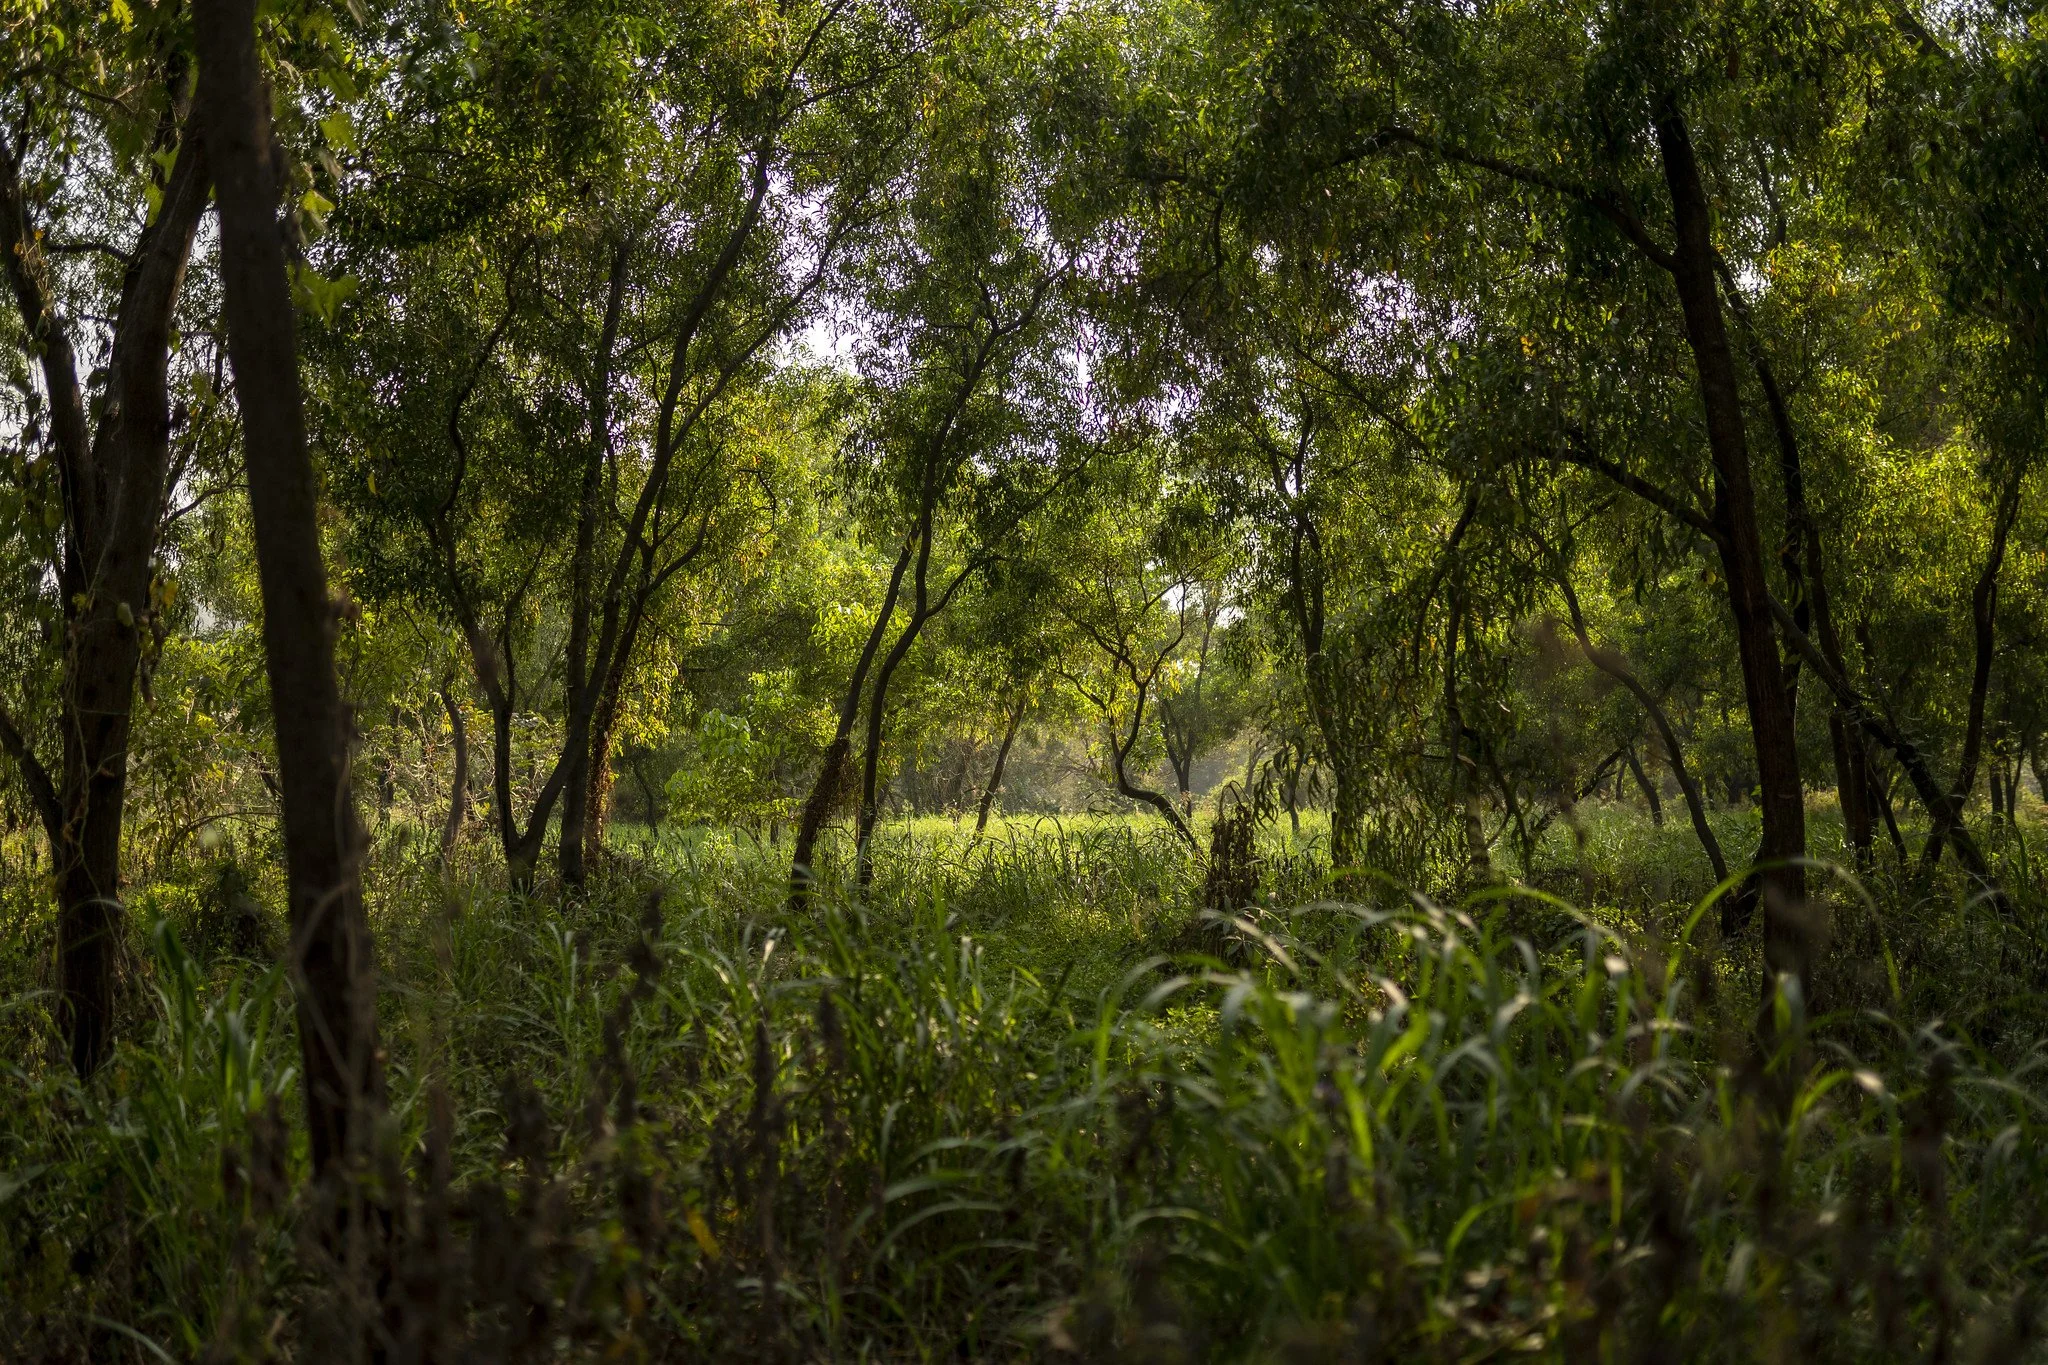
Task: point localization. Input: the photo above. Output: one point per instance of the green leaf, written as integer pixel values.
(339, 130)
(316, 206)
(314, 293)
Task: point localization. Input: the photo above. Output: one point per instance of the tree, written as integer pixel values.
(123, 88)
(636, 289)
(971, 414)
(332, 961)
(1617, 133)
(1124, 599)
(1202, 704)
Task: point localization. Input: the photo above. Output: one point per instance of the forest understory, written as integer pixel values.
(1030, 1097)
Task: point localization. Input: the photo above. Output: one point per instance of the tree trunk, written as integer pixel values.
(1941, 804)
(1984, 620)
(1648, 789)
(331, 957)
(98, 696)
(597, 786)
(1290, 792)
(1882, 793)
(1347, 826)
(652, 798)
(570, 852)
(521, 847)
(458, 790)
(1464, 771)
(825, 791)
(113, 485)
(922, 610)
(1183, 763)
(1305, 596)
(1346, 814)
(1119, 751)
(871, 757)
(604, 725)
(111, 577)
(1851, 780)
(995, 777)
(1180, 751)
(1781, 796)
(1806, 566)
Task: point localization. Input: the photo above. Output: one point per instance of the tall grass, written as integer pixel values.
(998, 1109)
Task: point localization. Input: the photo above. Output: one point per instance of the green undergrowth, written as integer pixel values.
(1020, 1100)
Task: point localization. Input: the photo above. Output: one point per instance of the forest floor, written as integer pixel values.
(1021, 1099)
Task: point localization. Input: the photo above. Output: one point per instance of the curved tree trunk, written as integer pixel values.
(1648, 789)
(1119, 753)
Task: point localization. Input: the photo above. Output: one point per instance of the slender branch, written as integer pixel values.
(41, 789)
(84, 246)
(1984, 619)
(1908, 23)
(1576, 452)
(438, 528)
(1607, 203)
(1886, 730)
(28, 276)
(1615, 667)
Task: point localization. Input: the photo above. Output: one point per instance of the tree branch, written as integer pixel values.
(1887, 731)
(41, 789)
(1615, 667)
(28, 276)
(1607, 203)
(1577, 453)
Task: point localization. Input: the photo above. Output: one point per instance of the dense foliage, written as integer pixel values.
(970, 678)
